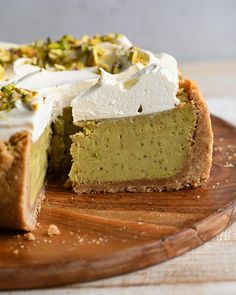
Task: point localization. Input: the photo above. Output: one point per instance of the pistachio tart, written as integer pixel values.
(99, 113)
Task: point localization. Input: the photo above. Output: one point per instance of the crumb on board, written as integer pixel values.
(53, 230)
(29, 237)
(228, 165)
(218, 149)
(16, 252)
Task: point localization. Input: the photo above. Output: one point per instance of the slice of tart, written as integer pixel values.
(147, 151)
(106, 115)
(27, 141)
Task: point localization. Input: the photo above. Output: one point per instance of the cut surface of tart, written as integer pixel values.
(167, 150)
(101, 113)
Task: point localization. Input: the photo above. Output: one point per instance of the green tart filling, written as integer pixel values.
(38, 163)
(142, 147)
(60, 157)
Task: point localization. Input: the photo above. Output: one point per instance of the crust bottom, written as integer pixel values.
(138, 186)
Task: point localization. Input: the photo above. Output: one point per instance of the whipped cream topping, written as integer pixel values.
(137, 90)
(8, 45)
(151, 89)
(44, 79)
(22, 67)
(124, 41)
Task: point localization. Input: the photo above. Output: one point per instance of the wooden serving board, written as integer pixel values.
(106, 235)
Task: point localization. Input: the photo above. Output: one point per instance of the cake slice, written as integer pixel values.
(168, 150)
(27, 138)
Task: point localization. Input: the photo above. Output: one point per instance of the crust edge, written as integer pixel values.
(14, 202)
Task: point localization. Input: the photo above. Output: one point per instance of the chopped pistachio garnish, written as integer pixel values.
(2, 72)
(5, 56)
(93, 55)
(130, 83)
(180, 75)
(10, 94)
(67, 53)
(116, 67)
(136, 55)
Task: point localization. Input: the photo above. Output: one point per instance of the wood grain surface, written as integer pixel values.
(106, 235)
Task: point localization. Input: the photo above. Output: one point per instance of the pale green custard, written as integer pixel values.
(142, 147)
(60, 157)
(39, 151)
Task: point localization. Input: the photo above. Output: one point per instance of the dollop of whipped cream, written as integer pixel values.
(150, 89)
